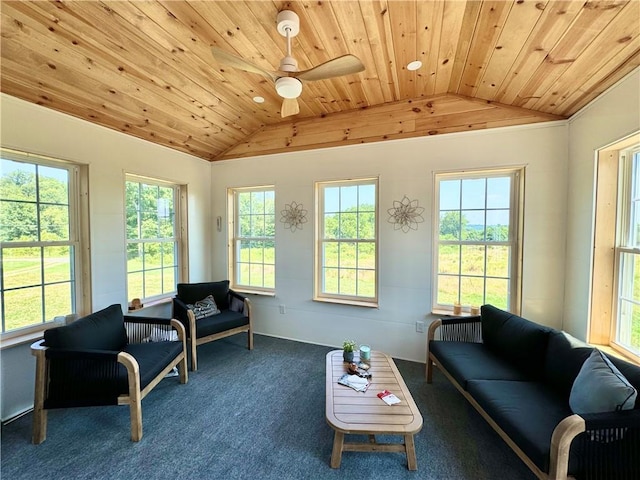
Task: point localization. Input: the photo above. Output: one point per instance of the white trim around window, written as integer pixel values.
(346, 254)
(478, 239)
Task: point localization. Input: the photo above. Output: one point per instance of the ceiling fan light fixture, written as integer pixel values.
(288, 87)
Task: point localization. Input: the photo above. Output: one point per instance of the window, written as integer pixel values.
(41, 248)
(627, 254)
(346, 256)
(252, 261)
(477, 238)
(615, 299)
(155, 250)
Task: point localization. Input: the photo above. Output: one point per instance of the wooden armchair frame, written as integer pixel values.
(133, 398)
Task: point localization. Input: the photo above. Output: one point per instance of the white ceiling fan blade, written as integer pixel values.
(289, 107)
(234, 61)
(344, 65)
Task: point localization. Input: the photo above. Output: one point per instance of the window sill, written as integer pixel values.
(154, 303)
(615, 352)
(30, 337)
(253, 292)
(353, 303)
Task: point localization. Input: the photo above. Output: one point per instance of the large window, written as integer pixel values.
(40, 234)
(346, 256)
(477, 239)
(153, 238)
(627, 254)
(253, 239)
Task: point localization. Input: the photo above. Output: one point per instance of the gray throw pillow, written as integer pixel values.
(600, 387)
(204, 308)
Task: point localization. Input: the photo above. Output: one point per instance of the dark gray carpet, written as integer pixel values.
(253, 415)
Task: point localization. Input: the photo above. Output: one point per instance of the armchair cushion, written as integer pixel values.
(220, 323)
(102, 330)
(152, 357)
(190, 293)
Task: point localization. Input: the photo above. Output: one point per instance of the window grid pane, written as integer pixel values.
(38, 254)
(475, 236)
(152, 243)
(348, 253)
(254, 238)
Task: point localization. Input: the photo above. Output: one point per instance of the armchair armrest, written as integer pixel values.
(239, 303)
(139, 328)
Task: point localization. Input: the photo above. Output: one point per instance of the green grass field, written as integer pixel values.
(23, 306)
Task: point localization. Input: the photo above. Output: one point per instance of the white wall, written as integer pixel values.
(109, 154)
(405, 167)
(611, 117)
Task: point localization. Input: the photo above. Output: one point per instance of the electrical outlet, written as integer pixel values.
(420, 327)
(283, 309)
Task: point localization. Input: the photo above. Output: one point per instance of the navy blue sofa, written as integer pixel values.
(519, 375)
(105, 358)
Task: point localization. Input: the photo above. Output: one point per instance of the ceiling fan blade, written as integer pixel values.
(289, 107)
(234, 61)
(344, 65)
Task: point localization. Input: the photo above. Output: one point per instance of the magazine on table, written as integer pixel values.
(359, 384)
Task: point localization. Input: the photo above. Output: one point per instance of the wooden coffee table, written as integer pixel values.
(351, 412)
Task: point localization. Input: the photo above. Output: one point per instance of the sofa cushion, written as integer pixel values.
(600, 387)
(519, 341)
(152, 357)
(193, 292)
(528, 412)
(226, 320)
(102, 330)
(565, 356)
(466, 361)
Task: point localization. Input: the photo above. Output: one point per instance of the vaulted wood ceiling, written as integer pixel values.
(146, 68)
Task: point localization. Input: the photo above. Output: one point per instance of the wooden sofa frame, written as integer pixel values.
(563, 435)
(133, 398)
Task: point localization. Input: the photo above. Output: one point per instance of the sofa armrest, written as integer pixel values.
(457, 329)
(607, 443)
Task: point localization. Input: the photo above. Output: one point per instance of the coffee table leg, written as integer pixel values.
(412, 463)
(336, 454)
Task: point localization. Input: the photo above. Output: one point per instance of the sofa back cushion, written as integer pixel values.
(515, 339)
(565, 356)
(102, 330)
(191, 293)
(631, 372)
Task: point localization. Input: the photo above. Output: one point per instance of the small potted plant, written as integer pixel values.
(348, 346)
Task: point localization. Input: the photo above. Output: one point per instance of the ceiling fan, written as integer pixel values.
(288, 80)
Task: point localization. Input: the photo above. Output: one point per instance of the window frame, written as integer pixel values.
(78, 216)
(628, 193)
(606, 230)
(234, 238)
(180, 239)
(319, 295)
(516, 220)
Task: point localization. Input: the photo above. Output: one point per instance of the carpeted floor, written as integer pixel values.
(253, 415)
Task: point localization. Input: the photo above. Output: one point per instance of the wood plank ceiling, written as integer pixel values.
(145, 67)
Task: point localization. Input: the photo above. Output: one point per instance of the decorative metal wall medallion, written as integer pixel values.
(293, 216)
(405, 214)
